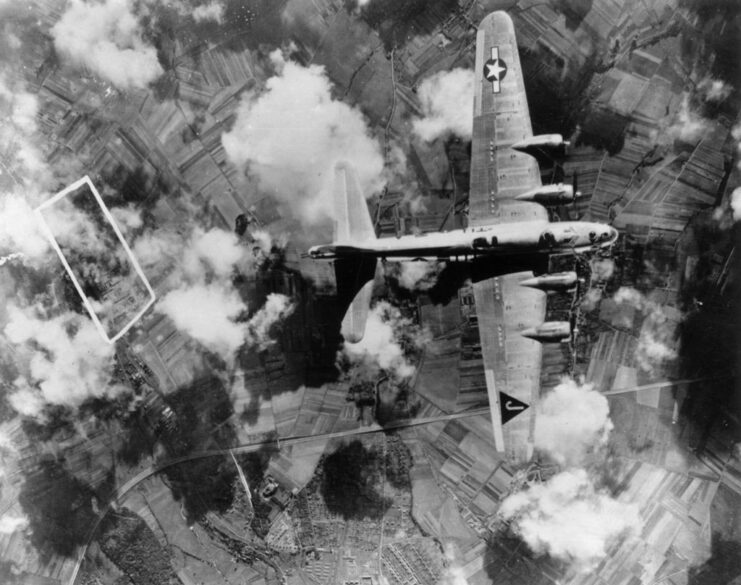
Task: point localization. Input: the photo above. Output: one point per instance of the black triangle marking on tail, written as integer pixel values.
(510, 407)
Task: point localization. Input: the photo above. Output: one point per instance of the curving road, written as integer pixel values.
(248, 447)
(298, 439)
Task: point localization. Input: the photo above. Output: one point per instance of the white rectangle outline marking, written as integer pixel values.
(496, 409)
(63, 193)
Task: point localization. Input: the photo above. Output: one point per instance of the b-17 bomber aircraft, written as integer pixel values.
(507, 220)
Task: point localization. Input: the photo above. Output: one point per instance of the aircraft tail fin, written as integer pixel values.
(352, 219)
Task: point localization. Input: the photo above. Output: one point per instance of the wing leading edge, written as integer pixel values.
(504, 308)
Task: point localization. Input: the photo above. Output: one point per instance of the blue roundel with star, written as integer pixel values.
(495, 70)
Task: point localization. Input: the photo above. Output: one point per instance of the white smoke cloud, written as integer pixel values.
(107, 38)
(736, 133)
(629, 295)
(213, 11)
(63, 359)
(23, 106)
(572, 422)
(447, 104)
(10, 523)
(387, 333)
(21, 231)
(416, 275)
(602, 268)
(453, 573)
(276, 308)
(591, 299)
(569, 519)
(201, 299)
(736, 203)
(688, 126)
(21, 152)
(127, 218)
(6, 441)
(656, 343)
(714, 90)
(290, 136)
(208, 313)
(216, 249)
(159, 248)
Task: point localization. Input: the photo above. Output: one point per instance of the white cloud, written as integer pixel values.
(386, 331)
(159, 248)
(197, 255)
(572, 422)
(276, 308)
(447, 104)
(21, 151)
(107, 38)
(714, 90)
(23, 106)
(207, 313)
(688, 126)
(569, 519)
(63, 359)
(656, 342)
(454, 573)
(290, 136)
(736, 133)
(215, 249)
(127, 218)
(203, 301)
(21, 231)
(10, 523)
(736, 203)
(212, 11)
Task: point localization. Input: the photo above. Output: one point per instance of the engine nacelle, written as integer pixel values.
(556, 194)
(540, 142)
(557, 281)
(549, 332)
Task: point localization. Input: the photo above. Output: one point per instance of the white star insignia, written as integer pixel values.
(494, 70)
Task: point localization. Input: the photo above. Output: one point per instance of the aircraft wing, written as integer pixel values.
(501, 117)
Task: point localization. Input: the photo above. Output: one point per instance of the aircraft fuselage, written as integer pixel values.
(537, 237)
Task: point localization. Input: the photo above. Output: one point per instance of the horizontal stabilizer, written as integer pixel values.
(353, 324)
(355, 279)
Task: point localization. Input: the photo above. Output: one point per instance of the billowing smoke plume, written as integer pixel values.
(388, 339)
(714, 90)
(107, 38)
(570, 519)
(656, 342)
(63, 360)
(290, 136)
(447, 104)
(127, 218)
(572, 422)
(688, 125)
(276, 308)
(415, 275)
